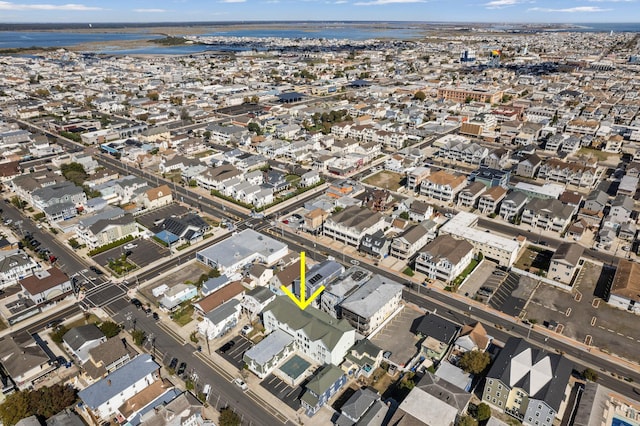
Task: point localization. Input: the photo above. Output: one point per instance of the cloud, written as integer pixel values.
(578, 9)
(611, 1)
(383, 2)
(499, 4)
(340, 2)
(232, 1)
(149, 10)
(5, 5)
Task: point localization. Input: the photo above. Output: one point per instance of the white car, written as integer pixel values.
(130, 246)
(241, 384)
(247, 329)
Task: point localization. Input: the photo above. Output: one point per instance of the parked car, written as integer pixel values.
(54, 323)
(98, 271)
(156, 316)
(181, 368)
(135, 302)
(224, 348)
(173, 363)
(240, 383)
(130, 246)
(386, 354)
(247, 329)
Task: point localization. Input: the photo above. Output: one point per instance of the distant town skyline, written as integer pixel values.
(509, 11)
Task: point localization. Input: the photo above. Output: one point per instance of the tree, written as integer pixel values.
(44, 402)
(420, 95)
(184, 115)
(474, 362)
(404, 215)
(74, 172)
(16, 201)
(15, 408)
(483, 412)
(138, 337)
(153, 96)
(466, 421)
(57, 335)
(110, 329)
(228, 417)
(254, 127)
(590, 375)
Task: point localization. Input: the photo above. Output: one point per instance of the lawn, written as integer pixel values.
(386, 180)
(534, 259)
(184, 315)
(601, 156)
(121, 266)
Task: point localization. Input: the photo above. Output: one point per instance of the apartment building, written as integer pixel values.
(444, 258)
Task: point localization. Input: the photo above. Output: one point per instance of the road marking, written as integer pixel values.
(593, 321)
(601, 327)
(588, 340)
(175, 336)
(620, 334)
(595, 303)
(610, 330)
(214, 366)
(629, 337)
(568, 312)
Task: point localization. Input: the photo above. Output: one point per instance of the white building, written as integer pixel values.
(444, 258)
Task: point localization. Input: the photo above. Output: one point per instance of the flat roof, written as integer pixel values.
(554, 190)
(241, 245)
(460, 226)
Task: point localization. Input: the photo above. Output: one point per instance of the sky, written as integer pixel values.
(503, 11)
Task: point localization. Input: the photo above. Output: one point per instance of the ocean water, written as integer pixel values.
(24, 39)
(344, 32)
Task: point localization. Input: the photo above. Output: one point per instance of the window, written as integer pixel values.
(499, 403)
(488, 390)
(498, 394)
(494, 400)
(499, 386)
(539, 406)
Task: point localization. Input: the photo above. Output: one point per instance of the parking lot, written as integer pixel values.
(585, 317)
(235, 353)
(512, 294)
(478, 278)
(285, 393)
(397, 338)
(145, 253)
(148, 219)
(293, 221)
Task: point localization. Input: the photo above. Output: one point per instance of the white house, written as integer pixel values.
(105, 397)
(444, 258)
(220, 320)
(15, 265)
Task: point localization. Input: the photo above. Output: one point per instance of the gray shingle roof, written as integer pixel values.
(116, 382)
(78, 336)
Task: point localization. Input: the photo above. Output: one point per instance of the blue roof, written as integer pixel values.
(116, 382)
(167, 237)
(213, 284)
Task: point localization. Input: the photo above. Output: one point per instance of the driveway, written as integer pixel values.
(397, 338)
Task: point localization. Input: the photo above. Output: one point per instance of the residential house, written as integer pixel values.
(185, 410)
(107, 231)
(80, 340)
(529, 166)
(621, 209)
(497, 159)
(177, 294)
(379, 200)
(363, 407)
(596, 201)
(314, 220)
(214, 178)
(255, 300)
(46, 286)
(444, 258)
(416, 176)
(155, 198)
(15, 265)
(438, 335)
(264, 357)
(234, 290)
(625, 288)
(512, 205)
(317, 335)
(60, 211)
(259, 275)
(107, 357)
(286, 277)
(472, 338)
(577, 228)
(491, 177)
(310, 178)
(319, 275)
(342, 287)
(564, 262)
(627, 231)
(63, 192)
(443, 186)
(628, 186)
(220, 320)
(105, 397)
(351, 224)
(376, 245)
(432, 401)
(489, 201)
(468, 197)
(23, 359)
(528, 384)
(189, 228)
(406, 245)
(550, 214)
(420, 211)
(321, 388)
(572, 173)
(371, 304)
(362, 360)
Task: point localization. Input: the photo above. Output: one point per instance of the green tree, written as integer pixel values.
(16, 201)
(184, 115)
(110, 329)
(590, 375)
(207, 134)
(154, 96)
(483, 412)
(138, 337)
(57, 335)
(74, 172)
(404, 215)
(466, 421)
(214, 273)
(474, 362)
(15, 408)
(420, 95)
(228, 417)
(254, 127)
